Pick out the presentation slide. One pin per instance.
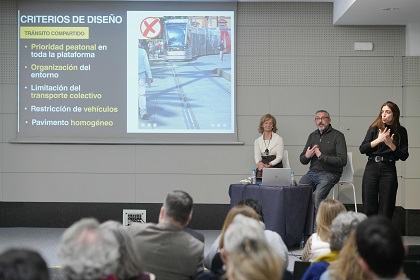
(126, 72)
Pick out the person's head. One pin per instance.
(380, 247)
(177, 208)
(347, 266)
(254, 259)
(254, 204)
(235, 210)
(389, 115)
(322, 120)
(268, 123)
(342, 226)
(18, 264)
(328, 210)
(247, 254)
(240, 228)
(88, 251)
(129, 264)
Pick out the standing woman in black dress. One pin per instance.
(386, 142)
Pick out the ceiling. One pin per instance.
(369, 12)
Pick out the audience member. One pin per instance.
(273, 238)
(340, 229)
(22, 264)
(247, 254)
(212, 259)
(166, 250)
(318, 243)
(88, 252)
(129, 264)
(346, 266)
(380, 248)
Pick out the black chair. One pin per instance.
(299, 269)
(412, 269)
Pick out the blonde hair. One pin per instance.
(265, 118)
(238, 209)
(347, 267)
(328, 210)
(254, 260)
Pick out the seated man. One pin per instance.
(326, 150)
(165, 248)
(380, 248)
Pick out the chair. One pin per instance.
(299, 269)
(347, 178)
(412, 269)
(285, 159)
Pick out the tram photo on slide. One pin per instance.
(186, 82)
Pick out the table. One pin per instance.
(287, 210)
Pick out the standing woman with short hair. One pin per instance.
(268, 148)
(386, 141)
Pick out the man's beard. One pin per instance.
(321, 130)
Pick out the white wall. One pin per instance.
(291, 61)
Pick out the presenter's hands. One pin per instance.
(386, 137)
(388, 141)
(317, 152)
(383, 134)
(260, 165)
(310, 152)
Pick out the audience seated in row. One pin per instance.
(340, 229)
(360, 248)
(318, 243)
(373, 251)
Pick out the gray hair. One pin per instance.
(322, 111)
(129, 264)
(87, 251)
(342, 226)
(242, 227)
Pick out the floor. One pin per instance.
(45, 241)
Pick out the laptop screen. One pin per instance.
(279, 177)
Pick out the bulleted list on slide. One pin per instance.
(71, 74)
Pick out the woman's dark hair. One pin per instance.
(395, 125)
(254, 204)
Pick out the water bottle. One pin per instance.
(292, 178)
(302, 242)
(254, 175)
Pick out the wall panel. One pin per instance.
(68, 187)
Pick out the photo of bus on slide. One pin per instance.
(191, 59)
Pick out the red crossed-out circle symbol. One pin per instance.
(150, 27)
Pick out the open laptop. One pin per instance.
(278, 177)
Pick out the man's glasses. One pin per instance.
(321, 118)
